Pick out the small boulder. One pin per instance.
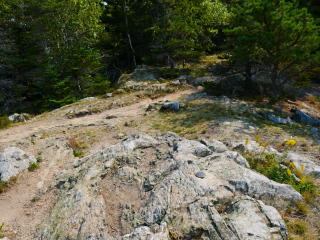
(214, 145)
(200, 175)
(175, 83)
(19, 117)
(304, 116)
(108, 95)
(82, 112)
(171, 106)
(280, 120)
(120, 91)
(110, 127)
(131, 123)
(315, 130)
(121, 135)
(183, 79)
(13, 161)
(111, 116)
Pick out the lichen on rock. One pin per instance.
(222, 204)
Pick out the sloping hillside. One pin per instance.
(161, 160)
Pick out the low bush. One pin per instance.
(4, 122)
(72, 143)
(168, 73)
(279, 170)
(1, 236)
(79, 154)
(4, 186)
(36, 199)
(33, 166)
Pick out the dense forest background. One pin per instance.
(54, 52)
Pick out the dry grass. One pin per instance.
(5, 186)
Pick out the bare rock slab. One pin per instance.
(13, 161)
(220, 203)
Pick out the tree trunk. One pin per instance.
(128, 35)
(274, 76)
(171, 62)
(248, 82)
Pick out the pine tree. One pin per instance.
(56, 53)
(184, 29)
(278, 34)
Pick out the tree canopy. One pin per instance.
(55, 52)
(278, 35)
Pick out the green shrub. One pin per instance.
(168, 73)
(299, 227)
(78, 153)
(4, 122)
(39, 159)
(33, 166)
(1, 236)
(269, 165)
(36, 199)
(3, 186)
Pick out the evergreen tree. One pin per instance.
(184, 29)
(127, 24)
(55, 48)
(276, 33)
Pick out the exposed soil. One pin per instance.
(20, 215)
(119, 195)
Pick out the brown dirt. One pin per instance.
(57, 123)
(20, 215)
(118, 195)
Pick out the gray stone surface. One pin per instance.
(13, 161)
(111, 127)
(215, 145)
(19, 117)
(305, 116)
(175, 197)
(200, 175)
(146, 233)
(310, 168)
(171, 106)
(247, 218)
(315, 130)
(280, 120)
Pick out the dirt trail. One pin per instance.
(17, 210)
(137, 109)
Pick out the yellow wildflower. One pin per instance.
(303, 180)
(292, 164)
(257, 138)
(266, 144)
(247, 142)
(260, 144)
(291, 142)
(302, 167)
(280, 145)
(289, 172)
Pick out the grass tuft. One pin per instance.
(33, 166)
(4, 186)
(35, 199)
